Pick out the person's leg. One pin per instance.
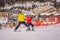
(24, 23)
(17, 26)
(32, 26)
(27, 25)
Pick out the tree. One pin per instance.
(55, 3)
(2, 3)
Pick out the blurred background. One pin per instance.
(44, 12)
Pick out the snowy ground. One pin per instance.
(41, 33)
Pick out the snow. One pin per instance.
(51, 32)
(45, 14)
(58, 0)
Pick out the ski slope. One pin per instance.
(51, 32)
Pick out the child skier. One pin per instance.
(29, 22)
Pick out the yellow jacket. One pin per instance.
(21, 17)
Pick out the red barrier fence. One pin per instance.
(48, 21)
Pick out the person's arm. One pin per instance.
(24, 17)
